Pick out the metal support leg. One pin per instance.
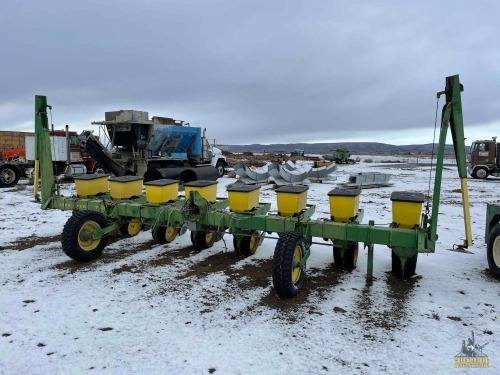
(369, 271)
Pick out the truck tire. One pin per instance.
(480, 173)
(98, 168)
(220, 168)
(9, 175)
(493, 250)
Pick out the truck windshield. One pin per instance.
(479, 147)
(483, 146)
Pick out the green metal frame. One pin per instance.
(43, 155)
(198, 214)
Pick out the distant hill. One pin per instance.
(354, 147)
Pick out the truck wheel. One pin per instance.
(493, 250)
(9, 175)
(409, 269)
(288, 279)
(99, 169)
(480, 172)
(220, 168)
(76, 236)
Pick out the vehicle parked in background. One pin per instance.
(483, 160)
(67, 156)
(340, 156)
(155, 148)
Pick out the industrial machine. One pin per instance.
(484, 158)
(158, 148)
(99, 212)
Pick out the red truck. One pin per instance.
(18, 162)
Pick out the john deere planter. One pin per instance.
(99, 211)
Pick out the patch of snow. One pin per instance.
(142, 308)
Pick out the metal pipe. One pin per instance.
(183, 174)
(68, 150)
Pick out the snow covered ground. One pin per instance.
(142, 308)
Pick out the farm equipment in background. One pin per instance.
(67, 157)
(341, 156)
(484, 159)
(14, 154)
(12, 144)
(158, 148)
(297, 152)
(98, 213)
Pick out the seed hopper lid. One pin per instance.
(243, 188)
(407, 196)
(161, 182)
(93, 176)
(200, 183)
(345, 192)
(125, 178)
(293, 189)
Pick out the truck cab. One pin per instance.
(482, 160)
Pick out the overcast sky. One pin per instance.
(256, 71)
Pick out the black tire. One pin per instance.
(9, 175)
(250, 243)
(235, 245)
(163, 235)
(350, 257)
(220, 168)
(99, 169)
(131, 229)
(493, 250)
(480, 173)
(288, 281)
(409, 269)
(74, 245)
(202, 239)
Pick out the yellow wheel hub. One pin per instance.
(210, 238)
(85, 240)
(134, 227)
(170, 234)
(496, 251)
(254, 242)
(356, 254)
(297, 257)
